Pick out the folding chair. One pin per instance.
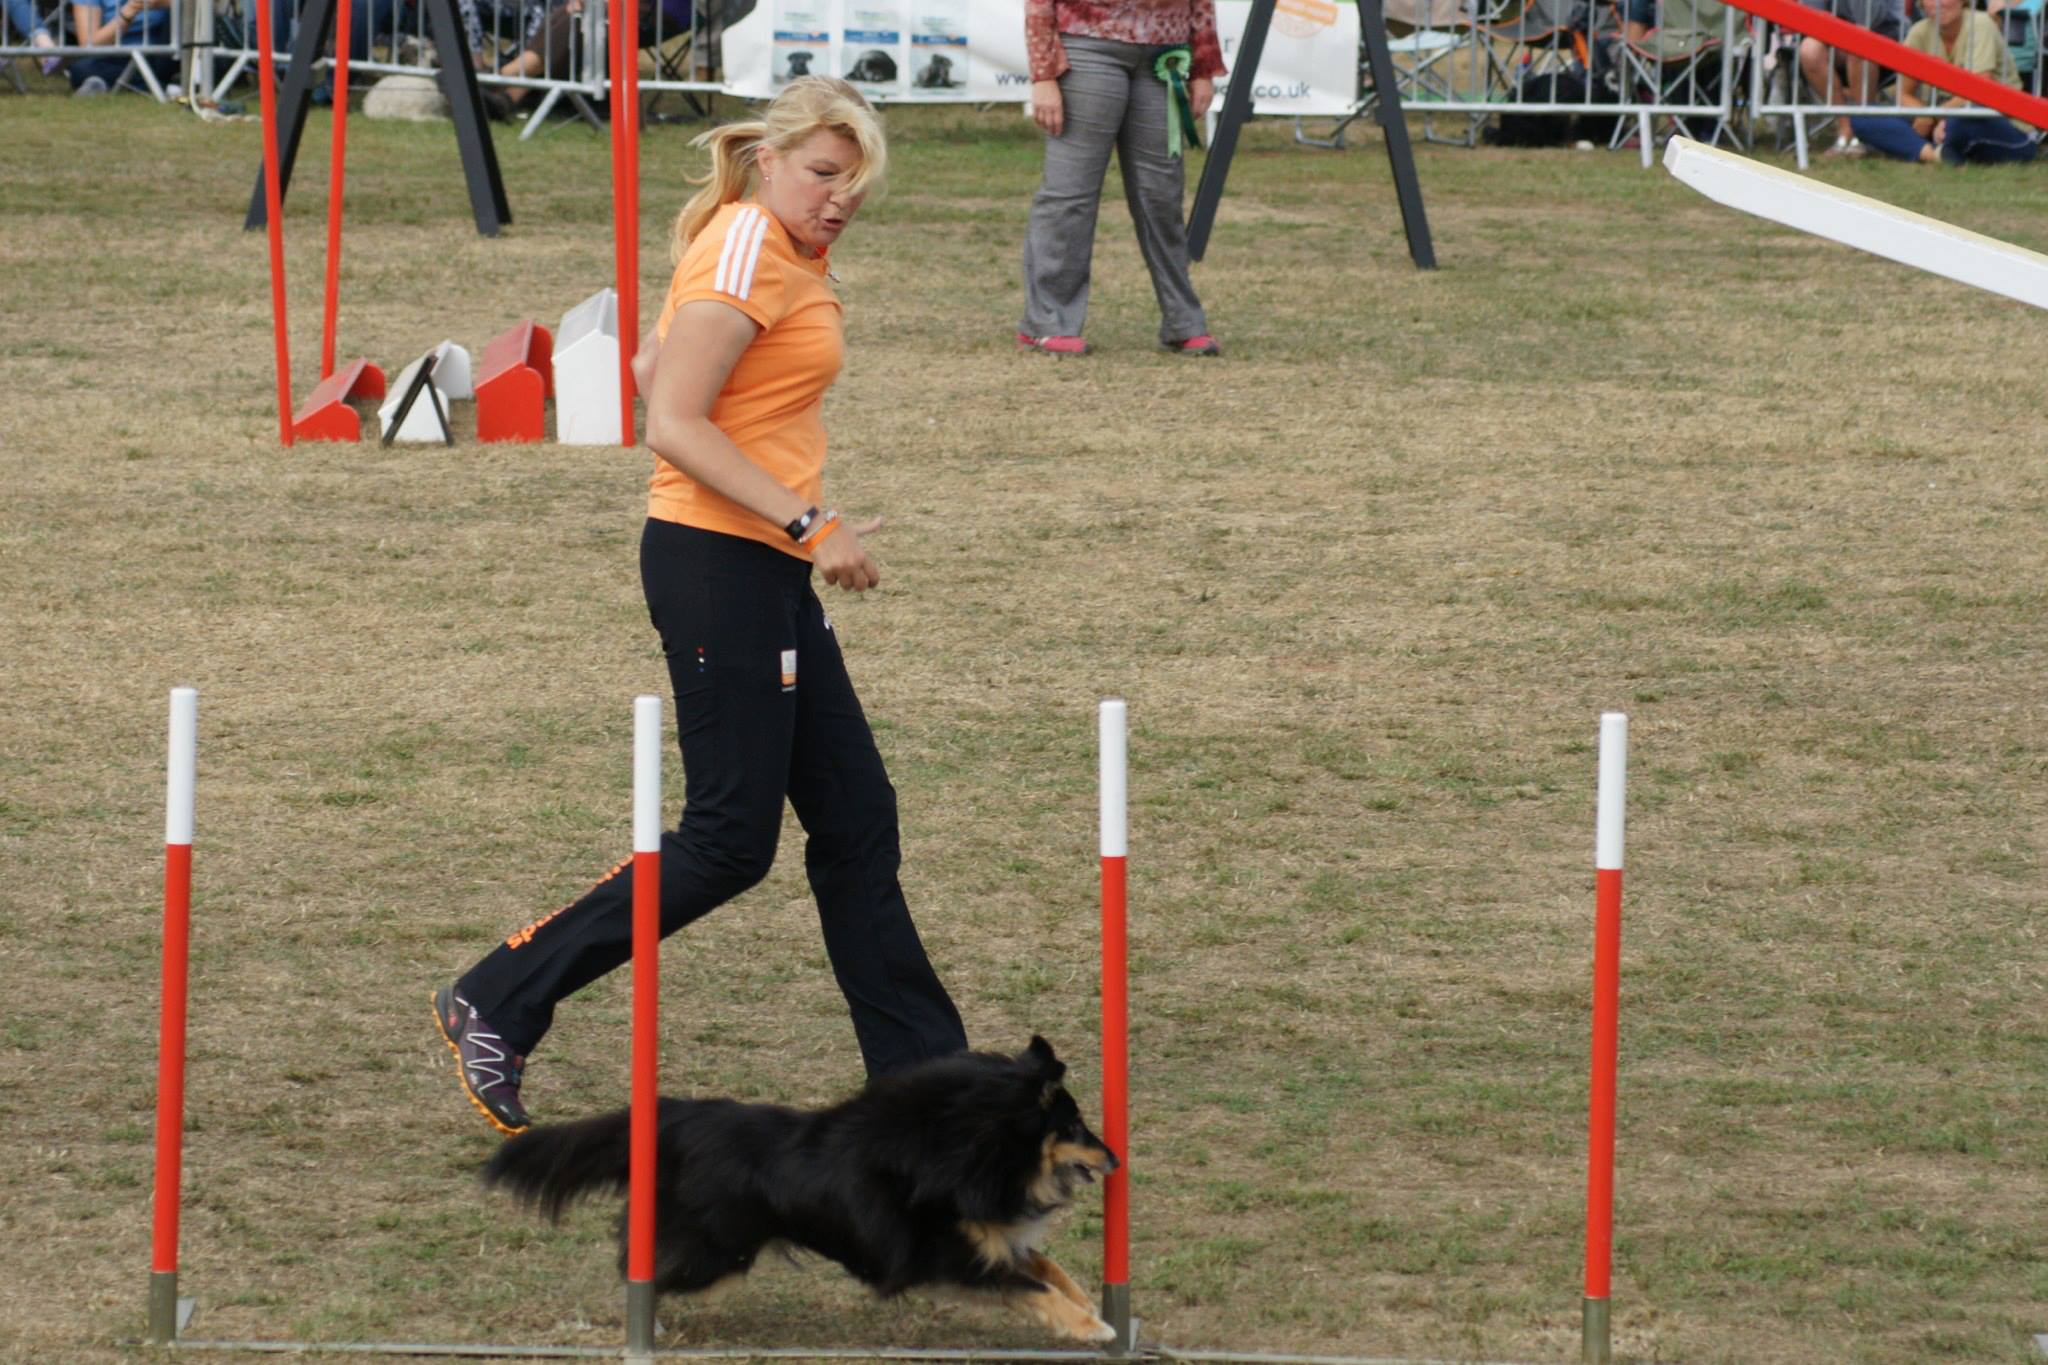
(2023, 31)
(1440, 57)
(1542, 30)
(672, 58)
(1680, 61)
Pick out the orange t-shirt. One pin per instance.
(772, 403)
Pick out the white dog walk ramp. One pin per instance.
(1856, 220)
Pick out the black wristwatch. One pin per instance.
(801, 527)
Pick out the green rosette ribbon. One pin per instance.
(1172, 66)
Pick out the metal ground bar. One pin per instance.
(394, 1348)
(1145, 1352)
(1167, 1353)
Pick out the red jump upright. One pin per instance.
(514, 382)
(326, 414)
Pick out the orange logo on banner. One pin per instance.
(1303, 18)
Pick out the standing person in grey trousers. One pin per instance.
(1095, 86)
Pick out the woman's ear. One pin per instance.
(766, 159)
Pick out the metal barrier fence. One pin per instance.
(1618, 66)
(142, 51)
(1617, 69)
(1783, 99)
(531, 54)
(1621, 68)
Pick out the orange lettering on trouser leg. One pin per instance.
(525, 936)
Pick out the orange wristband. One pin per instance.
(827, 529)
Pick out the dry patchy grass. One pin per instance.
(1366, 583)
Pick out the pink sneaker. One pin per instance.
(1053, 345)
(1201, 345)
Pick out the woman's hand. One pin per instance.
(1048, 107)
(843, 561)
(1201, 92)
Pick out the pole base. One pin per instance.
(168, 1313)
(1116, 1311)
(639, 1322)
(1596, 1343)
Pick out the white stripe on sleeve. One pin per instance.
(734, 232)
(753, 256)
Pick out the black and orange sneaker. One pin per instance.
(490, 1071)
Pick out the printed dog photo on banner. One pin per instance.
(938, 45)
(803, 36)
(871, 48)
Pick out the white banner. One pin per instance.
(972, 51)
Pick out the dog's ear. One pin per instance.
(1050, 1068)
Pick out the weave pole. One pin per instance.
(1595, 1331)
(273, 221)
(170, 1048)
(1116, 1058)
(338, 156)
(629, 295)
(646, 1020)
(625, 100)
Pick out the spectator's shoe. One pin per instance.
(1846, 146)
(90, 86)
(40, 39)
(497, 105)
(1201, 345)
(489, 1070)
(1053, 345)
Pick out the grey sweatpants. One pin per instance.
(1112, 100)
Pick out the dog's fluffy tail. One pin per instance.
(552, 1167)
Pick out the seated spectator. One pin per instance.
(1838, 77)
(119, 23)
(556, 50)
(1638, 19)
(23, 23)
(1955, 33)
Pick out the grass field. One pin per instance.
(1367, 583)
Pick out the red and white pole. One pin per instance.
(273, 221)
(170, 1051)
(1596, 1327)
(646, 1020)
(629, 284)
(337, 158)
(625, 101)
(1116, 1056)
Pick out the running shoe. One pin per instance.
(1201, 345)
(490, 1071)
(1053, 345)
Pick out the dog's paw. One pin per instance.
(1096, 1330)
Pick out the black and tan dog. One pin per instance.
(942, 1174)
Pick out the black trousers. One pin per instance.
(764, 711)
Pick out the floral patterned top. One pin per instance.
(1158, 23)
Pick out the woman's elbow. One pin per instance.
(669, 437)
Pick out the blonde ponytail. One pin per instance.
(732, 165)
(806, 105)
